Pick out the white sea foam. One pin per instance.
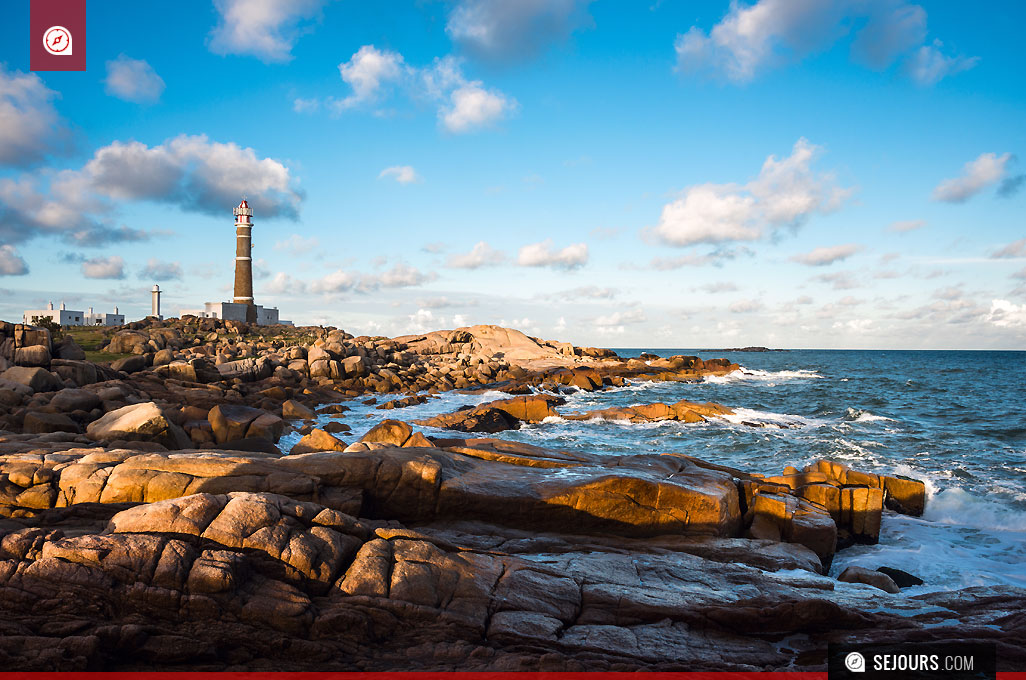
(753, 374)
(741, 416)
(860, 416)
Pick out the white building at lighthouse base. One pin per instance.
(235, 311)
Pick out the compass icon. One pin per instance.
(57, 41)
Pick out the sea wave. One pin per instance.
(857, 415)
(753, 374)
(745, 416)
(959, 507)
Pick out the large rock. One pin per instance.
(686, 411)
(35, 378)
(79, 372)
(33, 355)
(876, 579)
(139, 422)
(248, 370)
(395, 433)
(38, 422)
(69, 349)
(293, 410)
(132, 364)
(75, 400)
(495, 416)
(232, 422)
(318, 440)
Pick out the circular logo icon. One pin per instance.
(57, 41)
(855, 662)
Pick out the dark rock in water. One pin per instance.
(333, 428)
(876, 579)
(903, 579)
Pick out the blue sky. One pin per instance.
(668, 174)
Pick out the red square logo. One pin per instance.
(58, 40)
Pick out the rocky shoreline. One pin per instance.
(149, 520)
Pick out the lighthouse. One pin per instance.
(244, 258)
(242, 307)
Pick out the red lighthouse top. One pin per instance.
(243, 213)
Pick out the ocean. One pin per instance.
(954, 419)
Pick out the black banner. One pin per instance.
(913, 661)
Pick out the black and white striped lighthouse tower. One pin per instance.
(244, 258)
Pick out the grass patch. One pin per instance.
(91, 339)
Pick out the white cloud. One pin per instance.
(749, 37)
(462, 105)
(928, 65)
(472, 107)
(977, 175)
(906, 225)
(481, 255)
(785, 193)
(585, 292)
(745, 306)
(104, 268)
(542, 254)
(266, 29)
(366, 72)
(403, 174)
(839, 280)
(161, 271)
(133, 80)
(401, 275)
(11, 263)
(1005, 314)
(719, 287)
(300, 105)
(753, 38)
(622, 317)
(1013, 249)
(30, 127)
(502, 29)
(819, 257)
(298, 245)
(191, 172)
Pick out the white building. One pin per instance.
(72, 317)
(104, 319)
(236, 311)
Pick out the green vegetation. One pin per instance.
(91, 339)
(49, 324)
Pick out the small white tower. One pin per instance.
(156, 301)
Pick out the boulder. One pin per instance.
(293, 410)
(318, 440)
(496, 416)
(132, 364)
(902, 579)
(33, 355)
(248, 370)
(128, 342)
(232, 421)
(395, 433)
(69, 400)
(35, 378)
(139, 422)
(163, 357)
(876, 579)
(78, 372)
(38, 422)
(69, 349)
